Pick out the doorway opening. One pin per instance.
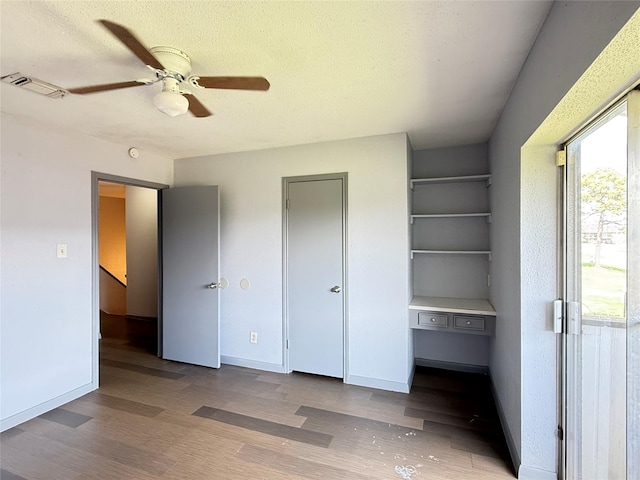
(128, 259)
(126, 279)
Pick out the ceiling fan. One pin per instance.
(172, 67)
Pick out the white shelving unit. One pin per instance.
(445, 230)
(486, 177)
(487, 215)
(453, 252)
(471, 306)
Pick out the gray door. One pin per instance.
(315, 230)
(190, 272)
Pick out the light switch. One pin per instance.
(61, 250)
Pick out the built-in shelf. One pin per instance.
(470, 306)
(452, 252)
(465, 178)
(487, 215)
(451, 257)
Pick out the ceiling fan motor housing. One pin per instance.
(176, 63)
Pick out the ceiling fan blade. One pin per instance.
(197, 108)
(105, 87)
(235, 83)
(132, 43)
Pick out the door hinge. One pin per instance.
(560, 433)
(287, 342)
(561, 158)
(558, 316)
(287, 204)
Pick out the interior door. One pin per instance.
(603, 298)
(190, 273)
(315, 258)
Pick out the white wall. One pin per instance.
(251, 247)
(523, 363)
(142, 251)
(47, 339)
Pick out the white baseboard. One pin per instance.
(378, 383)
(530, 473)
(255, 364)
(21, 417)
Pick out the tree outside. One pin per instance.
(604, 206)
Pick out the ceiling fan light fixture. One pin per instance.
(171, 103)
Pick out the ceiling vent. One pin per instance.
(34, 85)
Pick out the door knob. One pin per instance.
(336, 289)
(213, 285)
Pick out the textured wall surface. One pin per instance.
(523, 202)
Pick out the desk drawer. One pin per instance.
(433, 319)
(468, 323)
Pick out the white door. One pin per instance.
(314, 275)
(602, 343)
(190, 273)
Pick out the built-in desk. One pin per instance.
(456, 315)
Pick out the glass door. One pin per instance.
(601, 341)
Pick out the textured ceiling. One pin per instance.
(441, 71)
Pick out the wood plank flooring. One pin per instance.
(154, 419)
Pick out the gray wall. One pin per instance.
(522, 359)
(142, 251)
(457, 276)
(379, 351)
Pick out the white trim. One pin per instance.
(378, 383)
(255, 364)
(530, 473)
(44, 407)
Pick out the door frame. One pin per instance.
(97, 177)
(629, 95)
(286, 181)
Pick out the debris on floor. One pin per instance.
(405, 471)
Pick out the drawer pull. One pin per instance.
(468, 323)
(433, 320)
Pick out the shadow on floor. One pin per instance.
(135, 331)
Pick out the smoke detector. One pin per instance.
(34, 85)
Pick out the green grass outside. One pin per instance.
(603, 291)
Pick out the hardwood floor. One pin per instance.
(155, 419)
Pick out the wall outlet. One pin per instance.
(253, 337)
